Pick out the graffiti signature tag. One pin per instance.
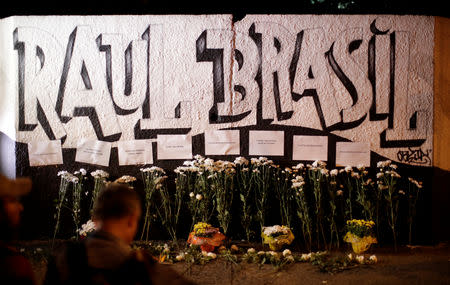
(414, 155)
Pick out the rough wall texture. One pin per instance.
(364, 78)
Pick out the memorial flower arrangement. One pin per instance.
(277, 236)
(302, 209)
(169, 210)
(76, 196)
(126, 179)
(245, 185)
(61, 201)
(100, 177)
(206, 236)
(360, 235)
(152, 178)
(228, 193)
(262, 171)
(222, 183)
(317, 174)
(388, 180)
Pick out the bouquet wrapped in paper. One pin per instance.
(360, 235)
(277, 236)
(206, 236)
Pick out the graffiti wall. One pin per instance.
(285, 80)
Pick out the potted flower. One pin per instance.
(360, 235)
(206, 236)
(277, 236)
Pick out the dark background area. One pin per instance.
(237, 8)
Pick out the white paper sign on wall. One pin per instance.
(45, 153)
(93, 152)
(352, 154)
(135, 152)
(266, 143)
(222, 142)
(310, 148)
(174, 147)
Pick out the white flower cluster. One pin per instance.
(125, 179)
(319, 164)
(88, 227)
(241, 161)
(363, 260)
(298, 182)
(100, 174)
(261, 161)
(268, 231)
(200, 165)
(68, 176)
(82, 171)
(153, 169)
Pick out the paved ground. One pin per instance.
(417, 265)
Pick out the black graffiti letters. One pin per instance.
(259, 74)
(417, 156)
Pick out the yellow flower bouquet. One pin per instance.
(360, 235)
(277, 236)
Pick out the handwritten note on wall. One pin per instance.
(174, 146)
(310, 148)
(266, 143)
(45, 153)
(93, 152)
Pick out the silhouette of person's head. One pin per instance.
(117, 211)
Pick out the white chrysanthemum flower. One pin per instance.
(99, 174)
(86, 228)
(261, 252)
(380, 174)
(241, 160)
(360, 258)
(191, 194)
(251, 250)
(334, 172)
(212, 255)
(373, 258)
(348, 169)
(82, 171)
(198, 197)
(299, 166)
(180, 257)
(350, 256)
(305, 257)
(286, 252)
(125, 179)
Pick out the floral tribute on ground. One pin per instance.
(223, 201)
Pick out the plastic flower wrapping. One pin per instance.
(360, 235)
(206, 236)
(277, 236)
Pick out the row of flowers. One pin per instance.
(312, 200)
